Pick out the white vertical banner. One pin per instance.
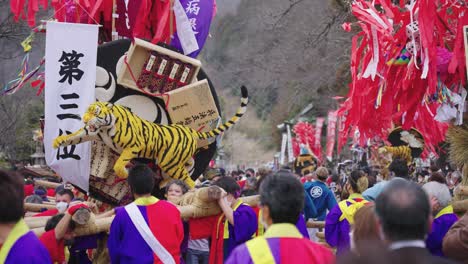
(283, 149)
(70, 76)
(290, 148)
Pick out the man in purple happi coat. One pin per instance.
(442, 211)
(17, 243)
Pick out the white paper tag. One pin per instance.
(162, 67)
(149, 66)
(185, 74)
(174, 70)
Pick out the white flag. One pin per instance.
(70, 75)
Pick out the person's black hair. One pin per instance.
(251, 170)
(35, 199)
(284, 194)
(399, 167)
(11, 197)
(354, 179)
(54, 220)
(403, 209)
(59, 188)
(66, 192)
(229, 185)
(141, 179)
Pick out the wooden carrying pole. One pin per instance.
(35, 222)
(315, 224)
(32, 207)
(100, 225)
(46, 184)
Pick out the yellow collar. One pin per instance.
(18, 231)
(282, 230)
(237, 204)
(355, 195)
(146, 200)
(446, 210)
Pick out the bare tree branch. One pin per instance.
(286, 12)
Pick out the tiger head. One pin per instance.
(98, 115)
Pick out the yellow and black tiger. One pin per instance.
(133, 137)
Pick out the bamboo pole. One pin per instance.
(46, 184)
(37, 207)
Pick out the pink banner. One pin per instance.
(331, 133)
(318, 136)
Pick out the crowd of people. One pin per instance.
(368, 217)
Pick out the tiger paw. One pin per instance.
(59, 141)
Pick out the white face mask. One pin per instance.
(61, 206)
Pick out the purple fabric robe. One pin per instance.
(440, 227)
(28, 250)
(336, 231)
(302, 226)
(245, 220)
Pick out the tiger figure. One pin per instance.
(171, 146)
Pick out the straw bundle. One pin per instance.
(457, 136)
(82, 216)
(460, 207)
(101, 254)
(461, 190)
(204, 202)
(95, 226)
(201, 202)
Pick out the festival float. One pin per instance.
(118, 74)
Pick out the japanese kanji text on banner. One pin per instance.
(70, 75)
